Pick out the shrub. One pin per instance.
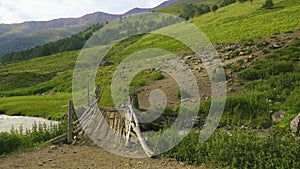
(157, 76)
(268, 4)
(249, 74)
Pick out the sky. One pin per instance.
(17, 11)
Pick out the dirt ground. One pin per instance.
(84, 157)
(169, 85)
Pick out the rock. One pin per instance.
(185, 100)
(294, 125)
(106, 63)
(277, 116)
(230, 89)
(229, 134)
(53, 148)
(45, 93)
(189, 57)
(243, 53)
(277, 46)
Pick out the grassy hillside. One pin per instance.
(75, 42)
(242, 21)
(245, 21)
(24, 41)
(177, 7)
(231, 23)
(262, 68)
(37, 75)
(49, 106)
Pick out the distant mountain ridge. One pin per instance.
(28, 34)
(144, 10)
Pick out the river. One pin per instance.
(7, 122)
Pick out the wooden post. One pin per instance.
(88, 90)
(70, 125)
(137, 131)
(129, 112)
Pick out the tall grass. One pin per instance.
(20, 140)
(239, 149)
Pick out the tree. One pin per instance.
(227, 2)
(214, 8)
(251, 1)
(188, 11)
(268, 4)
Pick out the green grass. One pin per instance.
(38, 75)
(238, 149)
(241, 21)
(49, 107)
(54, 73)
(245, 21)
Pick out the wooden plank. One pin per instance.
(88, 90)
(59, 139)
(98, 128)
(85, 121)
(70, 124)
(109, 109)
(129, 121)
(119, 132)
(137, 130)
(88, 110)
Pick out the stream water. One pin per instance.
(7, 122)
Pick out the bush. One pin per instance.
(293, 101)
(268, 4)
(249, 74)
(157, 76)
(275, 68)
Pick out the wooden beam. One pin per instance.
(70, 124)
(88, 92)
(59, 139)
(137, 130)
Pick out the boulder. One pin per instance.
(294, 125)
(277, 116)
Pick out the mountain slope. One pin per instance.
(54, 73)
(25, 35)
(245, 20)
(177, 6)
(28, 34)
(75, 42)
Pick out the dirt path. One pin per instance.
(84, 157)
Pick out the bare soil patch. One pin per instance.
(85, 157)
